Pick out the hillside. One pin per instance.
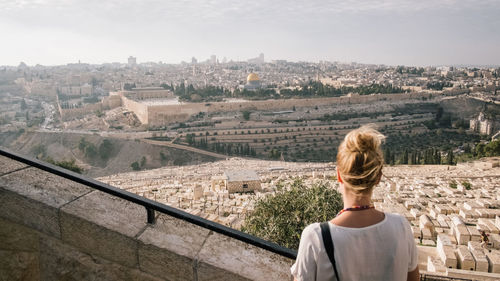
(468, 108)
(122, 153)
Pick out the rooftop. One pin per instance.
(241, 175)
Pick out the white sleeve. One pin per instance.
(412, 247)
(304, 268)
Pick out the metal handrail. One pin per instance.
(151, 205)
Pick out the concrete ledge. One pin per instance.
(163, 263)
(96, 240)
(16, 237)
(243, 259)
(18, 252)
(43, 187)
(9, 165)
(32, 197)
(109, 212)
(175, 235)
(101, 224)
(208, 272)
(60, 261)
(28, 212)
(170, 248)
(19, 265)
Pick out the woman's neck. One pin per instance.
(351, 199)
(364, 218)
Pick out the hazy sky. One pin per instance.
(409, 32)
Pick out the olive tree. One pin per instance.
(281, 217)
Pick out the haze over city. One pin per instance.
(381, 32)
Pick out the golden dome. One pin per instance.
(253, 77)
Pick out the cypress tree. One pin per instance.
(405, 157)
(449, 158)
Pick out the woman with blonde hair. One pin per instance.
(360, 243)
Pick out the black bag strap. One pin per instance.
(327, 241)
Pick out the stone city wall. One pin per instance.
(106, 104)
(52, 228)
(164, 114)
(112, 101)
(140, 110)
(159, 115)
(71, 113)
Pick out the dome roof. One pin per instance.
(253, 77)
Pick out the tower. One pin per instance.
(132, 61)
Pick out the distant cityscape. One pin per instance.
(266, 101)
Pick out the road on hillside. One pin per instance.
(185, 147)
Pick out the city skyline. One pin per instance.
(372, 32)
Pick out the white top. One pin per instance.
(382, 251)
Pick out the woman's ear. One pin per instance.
(339, 179)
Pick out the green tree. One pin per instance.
(163, 157)
(68, 165)
(135, 166)
(105, 149)
(439, 113)
(190, 139)
(274, 154)
(246, 115)
(449, 157)
(389, 158)
(405, 157)
(437, 157)
(129, 86)
(280, 218)
(82, 144)
(480, 150)
(24, 106)
(40, 151)
(453, 184)
(467, 185)
(492, 148)
(90, 150)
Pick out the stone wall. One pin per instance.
(159, 115)
(106, 103)
(72, 113)
(140, 110)
(112, 101)
(52, 228)
(237, 186)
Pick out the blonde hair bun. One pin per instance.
(364, 139)
(360, 159)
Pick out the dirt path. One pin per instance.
(184, 147)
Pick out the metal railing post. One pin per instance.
(151, 215)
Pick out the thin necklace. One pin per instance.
(356, 208)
